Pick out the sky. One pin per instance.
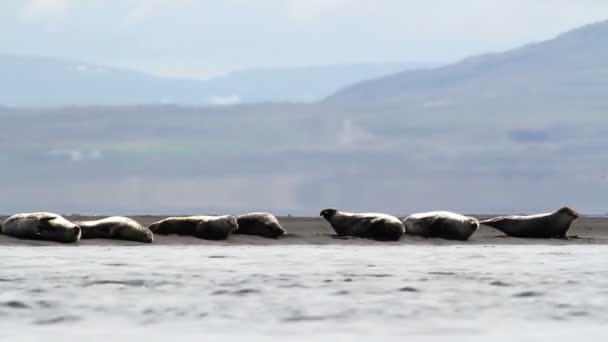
(203, 38)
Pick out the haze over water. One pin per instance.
(472, 293)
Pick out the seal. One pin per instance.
(41, 226)
(117, 228)
(176, 225)
(201, 226)
(540, 226)
(260, 224)
(215, 227)
(365, 225)
(441, 224)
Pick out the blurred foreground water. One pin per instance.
(242, 293)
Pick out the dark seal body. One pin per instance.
(215, 227)
(201, 226)
(365, 225)
(176, 225)
(541, 226)
(41, 226)
(116, 228)
(441, 224)
(260, 224)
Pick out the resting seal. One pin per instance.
(260, 224)
(116, 227)
(551, 225)
(41, 226)
(203, 227)
(441, 224)
(364, 225)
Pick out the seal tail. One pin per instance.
(154, 228)
(87, 230)
(493, 222)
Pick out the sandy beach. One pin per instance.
(315, 231)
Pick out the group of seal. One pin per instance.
(447, 225)
(220, 227)
(435, 224)
(53, 227)
(203, 227)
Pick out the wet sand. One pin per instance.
(309, 285)
(315, 231)
(304, 293)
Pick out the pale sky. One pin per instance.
(189, 38)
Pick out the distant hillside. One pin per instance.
(304, 84)
(37, 82)
(521, 131)
(573, 64)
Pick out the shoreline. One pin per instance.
(315, 231)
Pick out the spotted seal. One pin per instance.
(260, 224)
(365, 225)
(549, 225)
(441, 224)
(117, 228)
(41, 226)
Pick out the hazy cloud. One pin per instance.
(310, 11)
(224, 100)
(44, 10)
(76, 155)
(145, 9)
(235, 34)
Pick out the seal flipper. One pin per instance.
(384, 231)
(364, 227)
(496, 223)
(513, 227)
(442, 227)
(439, 229)
(163, 227)
(115, 231)
(43, 225)
(104, 231)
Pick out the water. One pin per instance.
(237, 293)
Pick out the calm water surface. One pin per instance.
(237, 293)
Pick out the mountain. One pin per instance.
(38, 82)
(303, 84)
(573, 64)
(517, 132)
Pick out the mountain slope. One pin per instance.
(303, 84)
(35, 81)
(574, 63)
(522, 131)
(38, 82)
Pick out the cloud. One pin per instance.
(224, 100)
(310, 11)
(145, 9)
(44, 10)
(154, 35)
(84, 68)
(76, 155)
